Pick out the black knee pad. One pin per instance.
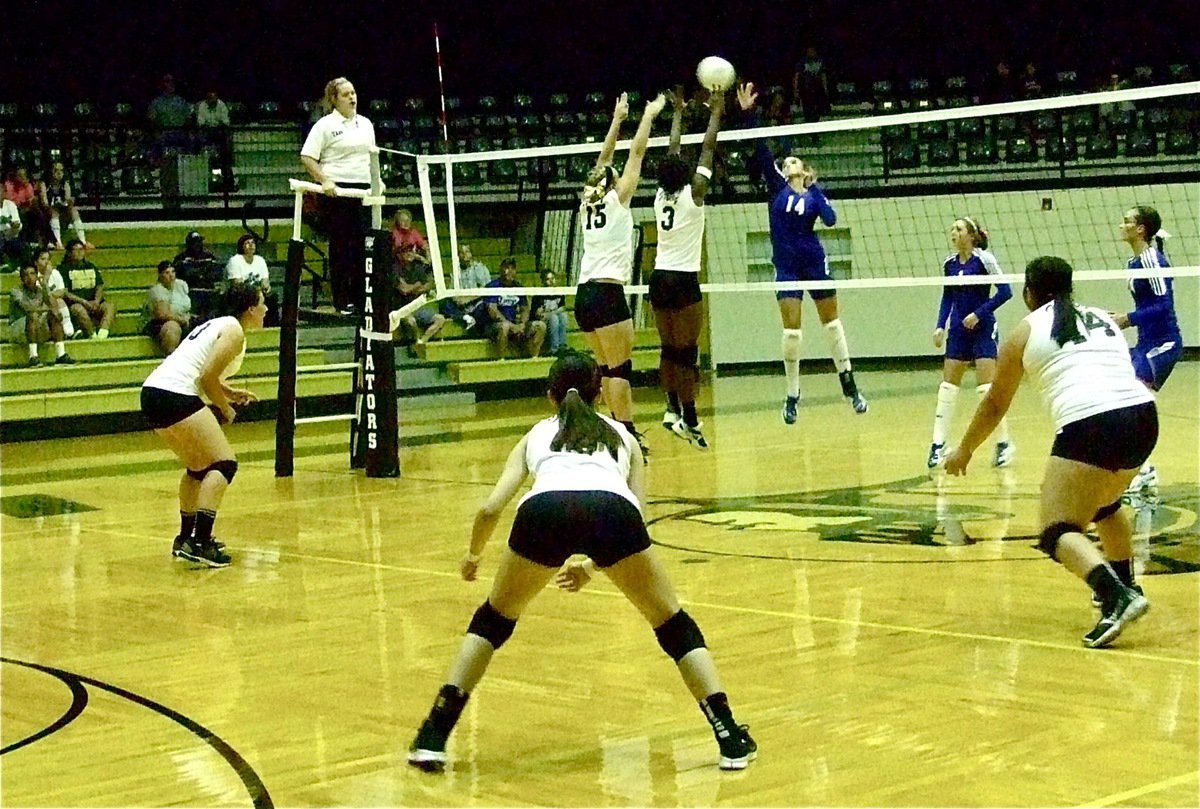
(605, 371)
(227, 468)
(197, 474)
(491, 625)
(679, 635)
(1104, 512)
(689, 357)
(671, 354)
(622, 371)
(1051, 534)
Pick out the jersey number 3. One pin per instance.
(594, 217)
(668, 221)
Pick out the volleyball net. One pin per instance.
(1044, 176)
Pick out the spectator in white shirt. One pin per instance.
(248, 267)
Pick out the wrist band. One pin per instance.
(704, 171)
(473, 558)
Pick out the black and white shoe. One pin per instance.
(206, 553)
(738, 749)
(428, 750)
(1128, 607)
(690, 434)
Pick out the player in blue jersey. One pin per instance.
(796, 203)
(1159, 343)
(967, 324)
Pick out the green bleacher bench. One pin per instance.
(466, 350)
(133, 278)
(14, 355)
(530, 368)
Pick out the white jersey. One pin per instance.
(680, 231)
(607, 240)
(557, 471)
(342, 147)
(180, 371)
(1081, 379)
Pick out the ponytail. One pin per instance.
(1048, 278)
(1066, 321)
(580, 429)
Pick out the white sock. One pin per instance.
(79, 229)
(102, 334)
(791, 360)
(947, 394)
(838, 349)
(1002, 436)
(32, 350)
(56, 229)
(59, 348)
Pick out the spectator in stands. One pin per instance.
(58, 201)
(32, 319)
(472, 273)
(336, 154)
(199, 268)
(407, 242)
(508, 315)
(169, 114)
(167, 313)
(52, 280)
(247, 266)
(212, 119)
(1001, 85)
(414, 280)
(91, 311)
(1031, 86)
(552, 310)
(13, 248)
(810, 85)
(23, 194)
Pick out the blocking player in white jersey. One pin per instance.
(586, 499)
(601, 308)
(1106, 426)
(675, 282)
(172, 406)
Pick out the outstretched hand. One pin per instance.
(746, 96)
(656, 106)
(956, 461)
(716, 102)
(621, 110)
(678, 99)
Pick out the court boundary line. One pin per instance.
(1137, 792)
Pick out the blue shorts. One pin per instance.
(1153, 364)
(813, 271)
(965, 344)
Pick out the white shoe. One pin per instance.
(1004, 454)
(690, 434)
(670, 417)
(468, 322)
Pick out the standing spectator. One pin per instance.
(33, 319)
(168, 309)
(24, 195)
(85, 292)
(247, 266)
(1031, 86)
(408, 244)
(58, 201)
(508, 315)
(413, 281)
(169, 114)
(197, 265)
(52, 280)
(12, 247)
(212, 119)
(810, 85)
(552, 310)
(337, 155)
(472, 274)
(1000, 85)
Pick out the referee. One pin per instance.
(337, 155)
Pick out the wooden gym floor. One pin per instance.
(892, 639)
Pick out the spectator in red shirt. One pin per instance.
(407, 242)
(19, 189)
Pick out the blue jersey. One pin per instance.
(507, 303)
(794, 214)
(960, 301)
(1153, 301)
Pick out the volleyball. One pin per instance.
(715, 73)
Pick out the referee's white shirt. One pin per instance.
(341, 145)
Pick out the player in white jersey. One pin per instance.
(586, 499)
(171, 404)
(600, 305)
(1106, 423)
(675, 282)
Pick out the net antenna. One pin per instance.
(439, 278)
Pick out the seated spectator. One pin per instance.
(407, 242)
(32, 319)
(85, 292)
(58, 201)
(248, 267)
(212, 113)
(414, 281)
(212, 119)
(1031, 86)
(21, 191)
(552, 310)
(168, 309)
(52, 280)
(471, 274)
(508, 315)
(199, 268)
(13, 248)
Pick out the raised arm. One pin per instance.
(620, 113)
(679, 103)
(627, 183)
(716, 107)
(759, 160)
